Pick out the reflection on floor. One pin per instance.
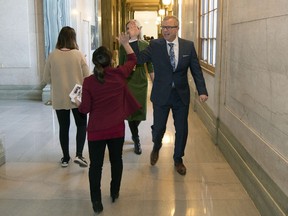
(32, 182)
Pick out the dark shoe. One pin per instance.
(180, 167)
(137, 145)
(97, 207)
(154, 157)
(137, 148)
(81, 161)
(65, 162)
(114, 197)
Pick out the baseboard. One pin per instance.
(2, 152)
(46, 94)
(207, 117)
(266, 195)
(20, 92)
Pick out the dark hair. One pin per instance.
(102, 58)
(67, 38)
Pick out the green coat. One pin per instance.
(137, 82)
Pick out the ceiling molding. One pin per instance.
(143, 5)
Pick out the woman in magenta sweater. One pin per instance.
(105, 96)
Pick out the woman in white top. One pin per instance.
(65, 67)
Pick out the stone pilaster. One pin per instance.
(107, 24)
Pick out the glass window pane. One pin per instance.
(204, 50)
(214, 53)
(211, 7)
(205, 6)
(209, 51)
(205, 26)
(215, 24)
(202, 7)
(208, 31)
(210, 25)
(202, 26)
(215, 4)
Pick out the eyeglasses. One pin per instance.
(168, 27)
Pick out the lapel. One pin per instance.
(180, 51)
(163, 49)
(164, 52)
(181, 48)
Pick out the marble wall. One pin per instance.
(23, 42)
(256, 76)
(247, 110)
(247, 94)
(18, 65)
(253, 101)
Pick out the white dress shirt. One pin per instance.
(176, 50)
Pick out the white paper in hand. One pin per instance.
(76, 92)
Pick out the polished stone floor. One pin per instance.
(32, 182)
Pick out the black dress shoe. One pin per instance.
(180, 167)
(114, 197)
(97, 207)
(154, 157)
(137, 148)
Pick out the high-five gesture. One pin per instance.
(124, 40)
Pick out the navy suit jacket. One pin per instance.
(164, 75)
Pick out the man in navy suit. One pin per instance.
(170, 89)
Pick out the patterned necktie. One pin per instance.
(172, 55)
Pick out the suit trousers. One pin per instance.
(96, 154)
(180, 115)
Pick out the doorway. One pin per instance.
(148, 21)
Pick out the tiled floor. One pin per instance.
(32, 182)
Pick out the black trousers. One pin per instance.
(63, 117)
(133, 125)
(96, 154)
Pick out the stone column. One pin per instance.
(106, 20)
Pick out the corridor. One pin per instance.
(33, 183)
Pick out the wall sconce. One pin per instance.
(166, 4)
(161, 12)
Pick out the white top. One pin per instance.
(64, 69)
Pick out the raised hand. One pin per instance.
(123, 38)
